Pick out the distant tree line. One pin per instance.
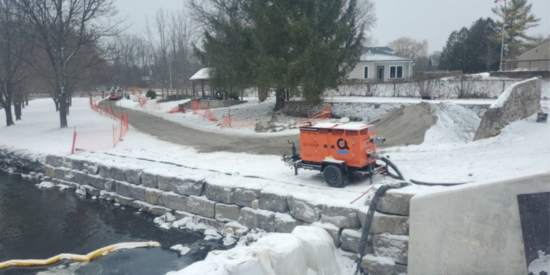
(472, 50)
(478, 48)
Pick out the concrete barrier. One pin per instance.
(519, 101)
(471, 229)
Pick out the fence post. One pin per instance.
(230, 117)
(114, 143)
(120, 136)
(74, 141)
(503, 86)
(462, 86)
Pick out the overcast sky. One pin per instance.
(433, 20)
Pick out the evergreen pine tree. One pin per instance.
(472, 50)
(287, 45)
(517, 18)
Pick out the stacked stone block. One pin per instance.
(239, 209)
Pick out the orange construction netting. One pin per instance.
(104, 138)
(232, 121)
(145, 104)
(203, 110)
(177, 110)
(323, 114)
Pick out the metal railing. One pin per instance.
(531, 65)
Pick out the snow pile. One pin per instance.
(540, 265)
(455, 124)
(211, 234)
(162, 107)
(308, 250)
(486, 160)
(46, 185)
(182, 250)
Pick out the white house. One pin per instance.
(383, 64)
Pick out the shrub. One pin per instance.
(151, 94)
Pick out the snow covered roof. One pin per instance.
(347, 126)
(381, 54)
(202, 74)
(325, 125)
(353, 126)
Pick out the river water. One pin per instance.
(38, 224)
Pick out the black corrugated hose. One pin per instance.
(374, 203)
(368, 221)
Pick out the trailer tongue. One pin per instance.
(337, 150)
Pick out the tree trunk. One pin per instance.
(9, 116)
(63, 108)
(17, 107)
(262, 94)
(279, 99)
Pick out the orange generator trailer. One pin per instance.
(337, 150)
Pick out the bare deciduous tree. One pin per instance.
(60, 28)
(409, 47)
(12, 64)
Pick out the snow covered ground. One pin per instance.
(447, 155)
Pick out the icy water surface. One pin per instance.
(38, 224)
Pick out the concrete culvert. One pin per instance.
(406, 126)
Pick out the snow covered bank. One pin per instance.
(307, 250)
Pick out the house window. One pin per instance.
(366, 72)
(396, 71)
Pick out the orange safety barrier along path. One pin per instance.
(323, 114)
(104, 138)
(232, 121)
(145, 104)
(81, 258)
(203, 110)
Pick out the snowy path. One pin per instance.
(207, 141)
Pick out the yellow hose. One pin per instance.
(81, 258)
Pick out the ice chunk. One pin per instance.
(182, 250)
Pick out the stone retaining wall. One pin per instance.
(241, 209)
(519, 101)
(15, 162)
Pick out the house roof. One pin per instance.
(202, 74)
(381, 54)
(535, 50)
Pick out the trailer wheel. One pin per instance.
(334, 176)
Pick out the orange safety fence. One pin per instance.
(177, 109)
(145, 104)
(104, 138)
(203, 110)
(323, 114)
(232, 121)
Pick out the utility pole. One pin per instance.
(503, 33)
(170, 74)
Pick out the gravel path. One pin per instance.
(206, 141)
